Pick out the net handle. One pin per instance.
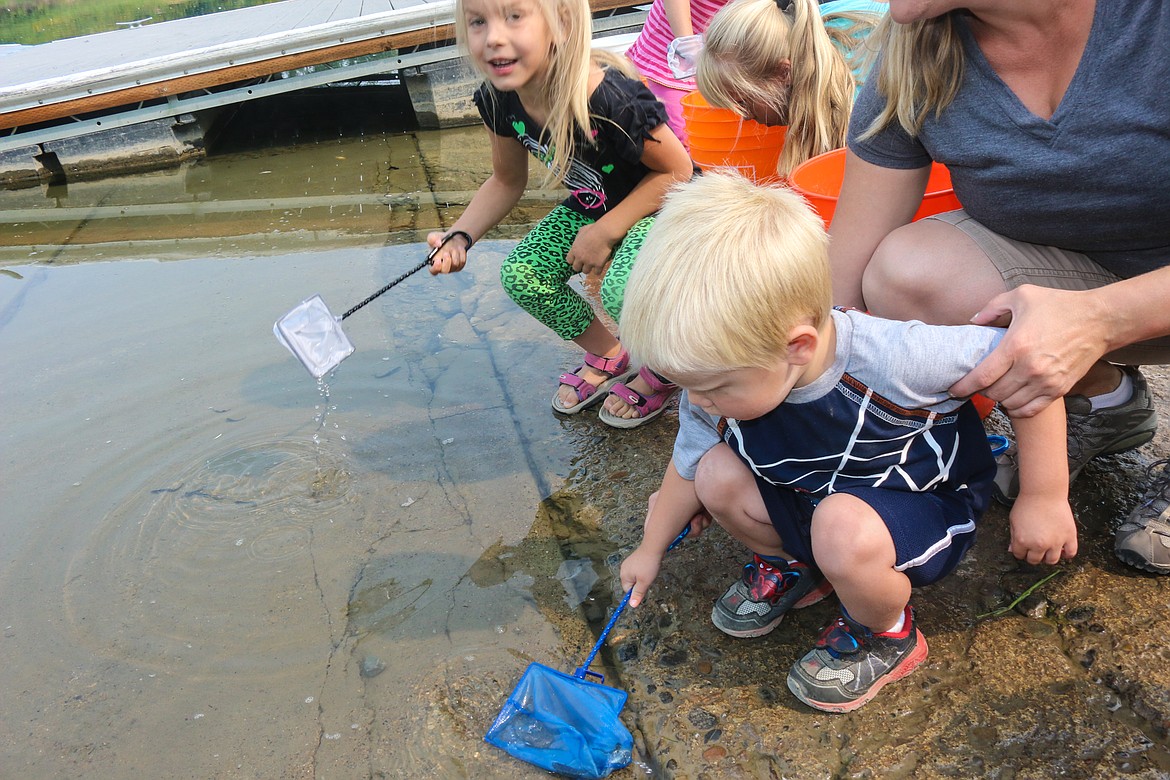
(430, 256)
(583, 669)
(417, 268)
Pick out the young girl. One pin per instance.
(779, 62)
(788, 62)
(666, 21)
(600, 132)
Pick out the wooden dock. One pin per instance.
(75, 86)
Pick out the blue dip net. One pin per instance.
(564, 724)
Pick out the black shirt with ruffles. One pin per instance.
(623, 114)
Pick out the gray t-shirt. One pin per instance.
(887, 385)
(1095, 178)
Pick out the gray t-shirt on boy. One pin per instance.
(880, 414)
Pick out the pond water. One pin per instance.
(215, 566)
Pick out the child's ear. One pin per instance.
(802, 344)
(783, 75)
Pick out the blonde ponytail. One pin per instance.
(821, 92)
(757, 53)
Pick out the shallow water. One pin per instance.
(214, 565)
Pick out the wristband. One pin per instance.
(464, 234)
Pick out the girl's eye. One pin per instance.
(476, 22)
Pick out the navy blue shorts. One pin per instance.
(931, 531)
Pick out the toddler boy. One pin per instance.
(824, 440)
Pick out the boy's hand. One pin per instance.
(698, 524)
(1043, 529)
(451, 258)
(639, 571)
(591, 250)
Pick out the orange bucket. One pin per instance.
(819, 181)
(759, 165)
(721, 127)
(720, 138)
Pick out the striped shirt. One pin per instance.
(648, 52)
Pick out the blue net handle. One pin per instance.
(583, 669)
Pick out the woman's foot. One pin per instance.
(590, 381)
(637, 401)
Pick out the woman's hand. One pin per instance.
(1054, 337)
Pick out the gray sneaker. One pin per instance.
(849, 663)
(757, 602)
(1104, 432)
(1143, 540)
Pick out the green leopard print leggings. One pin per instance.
(536, 276)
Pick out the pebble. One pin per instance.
(372, 666)
(701, 719)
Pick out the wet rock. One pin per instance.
(1033, 606)
(701, 719)
(714, 753)
(671, 658)
(372, 666)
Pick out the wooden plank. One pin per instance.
(222, 76)
(439, 34)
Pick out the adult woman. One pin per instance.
(1052, 118)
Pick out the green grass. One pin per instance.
(41, 21)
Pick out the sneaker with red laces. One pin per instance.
(850, 663)
(758, 600)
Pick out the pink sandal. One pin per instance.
(649, 406)
(587, 394)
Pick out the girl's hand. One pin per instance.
(639, 571)
(591, 249)
(1043, 529)
(451, 258)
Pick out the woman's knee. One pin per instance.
(898, 277)
(931, 271)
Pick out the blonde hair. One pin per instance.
(919, 72)
(570, 64)
(743, 62)
(725, 273)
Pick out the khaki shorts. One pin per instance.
(1022, 263)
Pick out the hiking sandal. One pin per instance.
(616, 368)
(648, 406)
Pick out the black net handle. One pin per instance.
(416, 269)
(430, 256)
